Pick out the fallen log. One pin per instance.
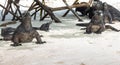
(72, 6)
(7, 23)
(65, 7)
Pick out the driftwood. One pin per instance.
(10, 12)
(63, 8)
(39, 6)
(42, 12)
(48, 10)
(72, 10)
(17, 10)
(37, 3)
(43, 17)
(7, 23)
(9, 8)
(69, 10)
(34, 7)
(72, 6)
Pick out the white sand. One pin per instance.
(66, 45)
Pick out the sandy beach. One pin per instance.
(66, 44)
